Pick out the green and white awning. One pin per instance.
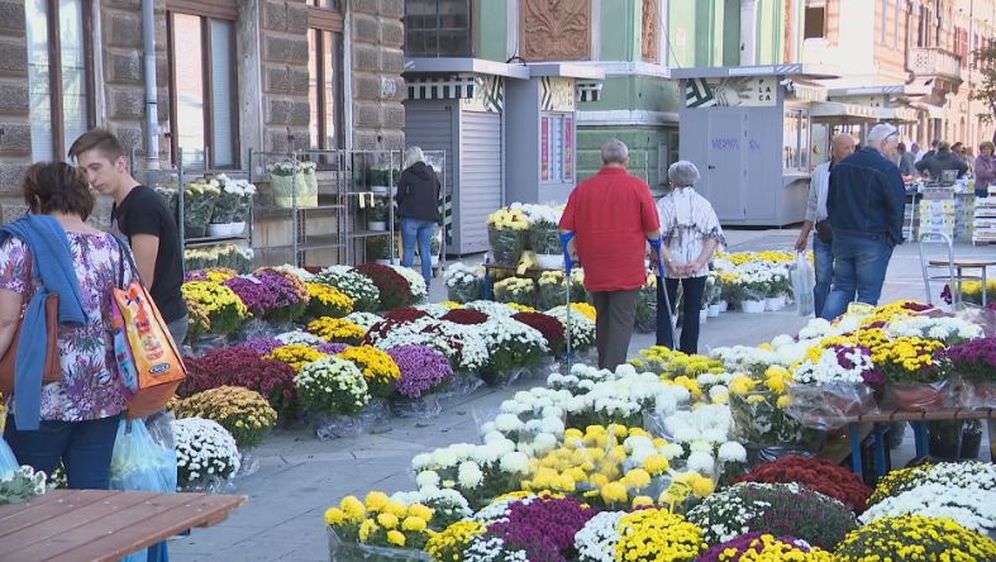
(449, 88)
(588, 91)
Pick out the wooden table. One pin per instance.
(917, 419)
(85, 525)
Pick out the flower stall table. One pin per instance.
(962, 264)
(919, 422)
(74, 525)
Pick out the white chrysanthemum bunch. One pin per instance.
(973, 508)
(204, 450)
(300, 337)
(949, 330)
(596, 541)
(420, 291)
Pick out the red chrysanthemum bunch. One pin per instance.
(818, 475)
(238, 366)
(551, 328)
(381, 329)
(395, 291)
(405, 314)
(465, 316)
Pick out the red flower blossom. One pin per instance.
(395, 292)
(465, 316)
(241, 366)
(405, 314)
(818, 475)
(551, 328)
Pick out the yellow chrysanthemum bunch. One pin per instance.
(520, 307)
(379, 369)
(223, 308)
(770, 256)
(895, 479)
(585, 309)
(450, 544)
(684, 485)
(296, 355)
(768, 548)
(452, 305)
(909, 359)
(650, 535)
(595, 465)
(326, 300)
(220, 274)
(243, 412)
(926, 538)
(670, 363)
(337, 330)
(510, 219)
(381, 521)
(514, 288)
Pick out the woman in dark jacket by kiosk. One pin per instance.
(418, 208)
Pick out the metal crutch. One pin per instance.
(658, 244)
(565, 242)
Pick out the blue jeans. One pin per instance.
(420, 231)
(823, 261)
(860, 263)
(693, 289)
(83, 447)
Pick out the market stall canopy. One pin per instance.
(910, 90)
(897, 114)
(463, 65)
(788, 70)
(832, 110)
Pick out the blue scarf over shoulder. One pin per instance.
(53, 265)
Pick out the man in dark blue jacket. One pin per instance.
(865, 204)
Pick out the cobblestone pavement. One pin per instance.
(299, 476)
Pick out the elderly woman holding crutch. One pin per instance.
(691, 233)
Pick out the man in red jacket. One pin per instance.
(612, 215)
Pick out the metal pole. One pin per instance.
(151, 101)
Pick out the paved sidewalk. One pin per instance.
(299, 476)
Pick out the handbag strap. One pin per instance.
(124, 254)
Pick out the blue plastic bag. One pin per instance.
(141, 464)
(8, 462)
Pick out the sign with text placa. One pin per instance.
(742, 91)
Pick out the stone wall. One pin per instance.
(15, 142)
(285, 75)
(377, 62)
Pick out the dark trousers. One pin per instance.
(83, 447)
(692, 289)
(615, 316)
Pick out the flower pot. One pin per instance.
(724, 306)
(377, 226)
(753, 307)
(917, 397)
(774, 304)
(714, 310)
(550, 261)
(703, 314)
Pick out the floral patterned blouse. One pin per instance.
(687, 220)
(90, 388)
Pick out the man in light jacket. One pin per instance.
(841, 147)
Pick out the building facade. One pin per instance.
(227, 77)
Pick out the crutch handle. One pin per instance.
(658, 244)
(565, 242)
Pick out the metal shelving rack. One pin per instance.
(331, 162)
(183, 176)
(362, 162)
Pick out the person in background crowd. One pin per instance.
(944, 159)
(140, 215)
(418, 208)
(841, 146)
(865, 204)
(612, 216)
(691, 233)
(930, 153)
(985, 169)
(915, 151)
(906, 161)
(75, 420)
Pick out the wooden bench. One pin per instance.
(917, 419)
(85, 525)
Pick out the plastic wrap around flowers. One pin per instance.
(423, 369)
(205, 451)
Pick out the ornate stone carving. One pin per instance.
(651, 30)
(556, 30)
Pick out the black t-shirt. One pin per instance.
(143, 212)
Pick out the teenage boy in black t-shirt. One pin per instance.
(140, 214)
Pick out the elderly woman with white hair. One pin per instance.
(418, 209)
(691, 233)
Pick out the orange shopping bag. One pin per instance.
(150, 365)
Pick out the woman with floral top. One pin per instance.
(691, 233)
(79, 414)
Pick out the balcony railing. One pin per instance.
(934, 61)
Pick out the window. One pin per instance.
(815, 26)
(325, 86)
(557, 147)
(796, 140)
(59, 86)
(325, 89)
(438, 28)
(203, 91)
